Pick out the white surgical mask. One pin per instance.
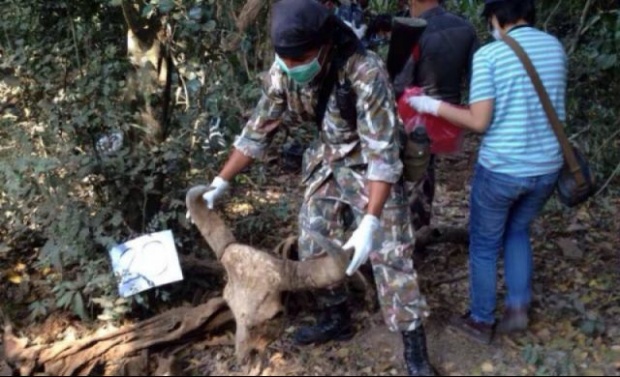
(496, 34)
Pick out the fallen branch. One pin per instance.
(108, 349)
(611, 178)
(451, 280)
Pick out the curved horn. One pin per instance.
(210, 225)
(322, 272)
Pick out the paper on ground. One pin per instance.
(146, 262)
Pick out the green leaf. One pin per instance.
(38, 309)
(588, 327)
(52, 252)
(211, 25)
(165, 6)
(78, 306)
(195, 13)
(65, 300)
(117, 219)
(147, 11)
(607, 61)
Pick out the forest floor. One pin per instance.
(575, 328)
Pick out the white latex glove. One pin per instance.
(360, 32)
(217, 188)
(361, 242)
(425, 104)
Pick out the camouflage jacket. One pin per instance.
(373, 146)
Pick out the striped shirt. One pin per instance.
(520, 141)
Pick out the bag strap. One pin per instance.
(556, 124)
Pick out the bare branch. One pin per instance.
(582, 23)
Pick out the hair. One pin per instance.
(511, 11)
(382, 22)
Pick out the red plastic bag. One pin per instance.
(445, 137)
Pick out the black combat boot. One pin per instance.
(334, 324)
(416, 354)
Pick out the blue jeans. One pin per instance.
(502, 210)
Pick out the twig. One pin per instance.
(452, 280)
(75, 44)
(611, 178)
(183, 84)
(582, 23)
(552, 14)
(577, 134)
(246, 65)
(4, 320)
(9, 46)
(608, 140)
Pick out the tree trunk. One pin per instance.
(151, 95)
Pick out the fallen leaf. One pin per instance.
(343, 353)
(570, 249)
(20, 267)
(488, 368)
(576, 227)
(544, 335)
(15, 278)
(11, 81)
(4, 248)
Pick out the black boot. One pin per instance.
(416, 354)
(334, 324)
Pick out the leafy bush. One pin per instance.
(67, 84)
(64, 192)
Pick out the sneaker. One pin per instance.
(478, 331)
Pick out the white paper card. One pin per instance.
(146, 262)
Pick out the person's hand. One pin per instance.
(361, 242)
(359, 32)
(217, 188)
(424, 104)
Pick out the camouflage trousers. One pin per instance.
(421, 195)
(338, 206)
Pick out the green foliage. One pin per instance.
(66, 64)
(592, 38)
(67, 82)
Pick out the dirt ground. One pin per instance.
(575, 328)
(569, 293)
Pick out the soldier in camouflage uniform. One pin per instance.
(352, 174)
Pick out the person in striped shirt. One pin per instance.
(518, 164)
